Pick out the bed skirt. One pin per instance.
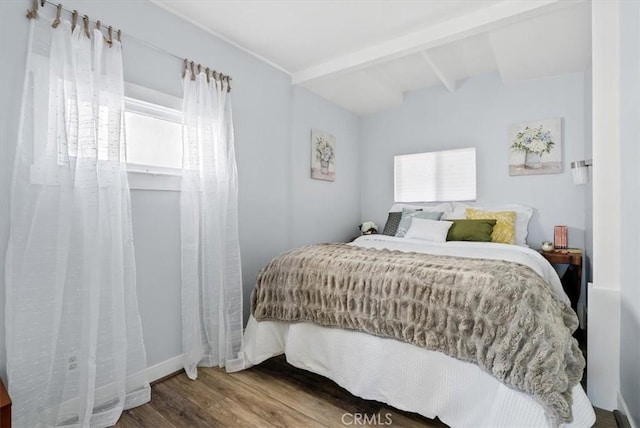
(404, 376)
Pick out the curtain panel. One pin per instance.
(75, 354)
(211, 270)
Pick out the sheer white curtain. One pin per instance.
(211, 279)
(75, 355)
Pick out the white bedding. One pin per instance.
(408, 377)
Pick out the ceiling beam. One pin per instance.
(483, 20)
(449, 83)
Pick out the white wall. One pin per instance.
(271, 146)
(614, 297)
(630, 204)
(603, 329)
(478, 114)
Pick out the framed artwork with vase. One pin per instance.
(323, 155)
(535, 147)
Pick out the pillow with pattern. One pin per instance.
(407, 215)
(391, 226)
(505, 229)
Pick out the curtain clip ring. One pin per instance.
(110, 33)
(85, 19)
(185, 64)
(33, 12)
(74, 20)
(56, 21)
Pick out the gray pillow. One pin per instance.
(407, 215)
(391, 226)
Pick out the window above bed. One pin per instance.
(448, 175)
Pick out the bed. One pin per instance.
(409, 377)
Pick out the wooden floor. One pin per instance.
(273, 394)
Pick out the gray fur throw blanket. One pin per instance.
(499, 315)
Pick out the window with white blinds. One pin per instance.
(448, 175)
(154, 136)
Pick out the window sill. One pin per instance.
(147, 180)
(167, 179)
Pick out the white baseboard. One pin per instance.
(622, 406)
(164, 368)
(69, 409)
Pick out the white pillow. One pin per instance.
(523, 216)
(428, 230)
(444, 207)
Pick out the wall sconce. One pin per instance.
(580, 171)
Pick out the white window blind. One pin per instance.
(153, 128)
(154, 136)
(448, 175)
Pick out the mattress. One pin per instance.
(408, 377)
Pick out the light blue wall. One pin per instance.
(324, 211)
(478, 114)
(630, 204)
(271, 145)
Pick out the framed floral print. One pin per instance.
(323, 155)
(535, 147)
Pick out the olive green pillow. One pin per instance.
(471, 230)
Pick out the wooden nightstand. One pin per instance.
(5, 407)
(572, 257)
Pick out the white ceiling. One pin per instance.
(365, 54)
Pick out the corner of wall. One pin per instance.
(624, 408)
(588, 150)
(164, 369)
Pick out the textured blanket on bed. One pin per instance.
(499, 315)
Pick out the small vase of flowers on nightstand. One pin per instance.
(368, 228)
